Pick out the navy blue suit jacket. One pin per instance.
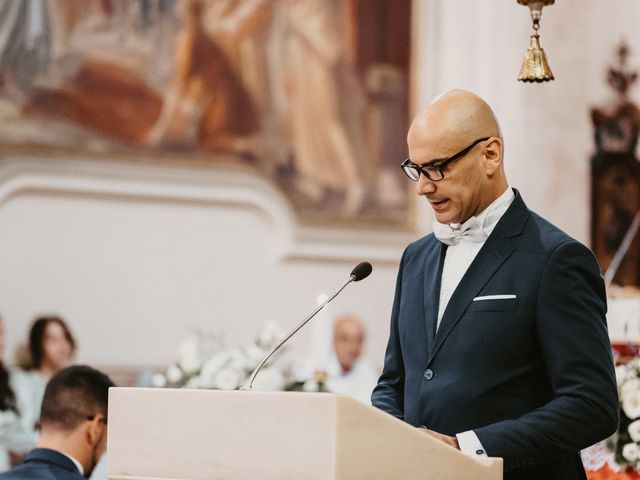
(44, 464)
(533, 375)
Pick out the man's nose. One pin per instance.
(425, 185)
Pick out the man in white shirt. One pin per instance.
(348, 372)
(498, 342)
(73, 427)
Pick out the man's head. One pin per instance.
(73, 418)
(348, 340)
(453, 122)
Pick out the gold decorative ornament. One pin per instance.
(535, 67)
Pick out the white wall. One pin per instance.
(134, 254)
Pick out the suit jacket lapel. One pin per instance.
(495, 251)
(432, 279)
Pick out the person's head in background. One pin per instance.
(73, 418)
(7, 396)
(51, 345)
(348, 340)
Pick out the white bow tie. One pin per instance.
(471, 231)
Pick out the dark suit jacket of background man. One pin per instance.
(533, 375)
(44, 464)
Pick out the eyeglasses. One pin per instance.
(434, 170)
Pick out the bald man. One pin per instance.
(349, 372)
(348, 341)
(498, 342)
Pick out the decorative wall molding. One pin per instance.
(219, 185)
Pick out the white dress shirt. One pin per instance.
(358, 383)
(460, 256)
(456, 263)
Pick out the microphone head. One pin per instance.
(362, 270)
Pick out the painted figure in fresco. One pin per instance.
(108, 76)
(207, 101)
(326, 150)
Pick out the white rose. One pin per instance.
(237, 359)
(269, 379)
(631, 405)
(253, 355)
(631, 452)
(269, 336)
(634, 431)
(310, 386)
(159, 380)
(634, 364)
(214, 365)
(228, 380)
(623, 373)
(195, 382)
(189, 354)
(629, 386)
(174, 374)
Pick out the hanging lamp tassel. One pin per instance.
(535, 67)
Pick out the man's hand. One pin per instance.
(451, 441)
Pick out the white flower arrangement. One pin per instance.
(625, 443)
(202, 363)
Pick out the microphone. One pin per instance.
(360, 272)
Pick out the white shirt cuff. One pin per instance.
(470, 444)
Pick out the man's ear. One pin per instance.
(95, 429)
(493, 155)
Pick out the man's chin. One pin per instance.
(445, 218)
(443, 212)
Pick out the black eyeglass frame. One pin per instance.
(430, 168)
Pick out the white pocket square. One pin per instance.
(494, 297)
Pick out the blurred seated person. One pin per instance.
(348, 372)
(51, 348)
(73, 427)
(14, 440)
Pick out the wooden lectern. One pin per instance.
(207, 434)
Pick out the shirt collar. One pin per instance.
(489, 217)
(75, 462)
(485, 220)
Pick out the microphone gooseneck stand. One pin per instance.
(362, 270)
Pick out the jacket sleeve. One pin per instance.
(572, 332)
(388, 395)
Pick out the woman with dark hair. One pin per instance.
(13, 438)
(51, 345)
(7, 396)
(51, 348)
